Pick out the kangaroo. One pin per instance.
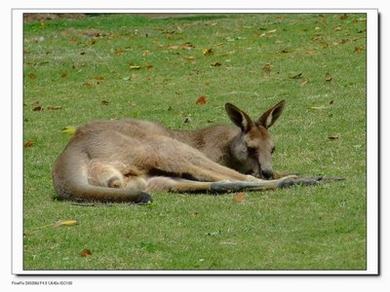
(124, 160)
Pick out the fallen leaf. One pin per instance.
(344, 16)
(69, 130)
(328, 77)
(85, 252)
(322, 107)
(201, 100)
(28, 144)
(70, 222)
(88, 84)
(99, 78)
(358, 50)
(53, 107)
(149, 66)
(189, 58)
(187, 120)
(310, 52)
(337, 28)
(146, 53)
(119, 51)
(296, 76)
(134, 67)
(185, 46)
(32, 76)
(105, 102)
(215, 64)
(324, 44)
(304, 81)
(333, 137)
(215, 233)
(239, 197)
(207, 52)
(267, 68)
(271, 31)
(37, 108)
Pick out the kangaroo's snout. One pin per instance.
(267, 174)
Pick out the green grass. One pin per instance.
(77, 64)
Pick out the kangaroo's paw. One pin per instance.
(306, 181)
(143, 198)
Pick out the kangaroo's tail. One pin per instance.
(70, 179)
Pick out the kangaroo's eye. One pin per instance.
(273, 150)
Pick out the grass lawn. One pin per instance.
(117, 66)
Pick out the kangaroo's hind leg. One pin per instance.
(179, 185)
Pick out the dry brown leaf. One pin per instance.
(216, 64)
(328, 77)
(119, 51)
(311, 52)
(267, 68)
(185, 46)
(303, 82)
(53, 107)
(208, 52)
(333, 137)
(37, 108)
(85, 252)
(239, 197)
(201, 100)
(99, 77)
(28, 144)
(32, 76)
(344, 16)
(358, 50)
(88, 84)
(296, 76)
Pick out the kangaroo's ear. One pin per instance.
(270, 116)
(238, 117)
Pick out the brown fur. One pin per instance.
(121, 160)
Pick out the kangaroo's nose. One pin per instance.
(266, 173)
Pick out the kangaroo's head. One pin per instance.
(252, 149)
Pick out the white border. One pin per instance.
(372, 144)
